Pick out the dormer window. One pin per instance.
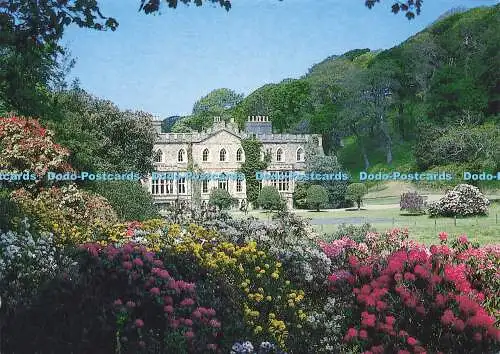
(279, 155)
(181, 155)
(300, 154)
(222, 155)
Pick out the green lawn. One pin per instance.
(483, 229)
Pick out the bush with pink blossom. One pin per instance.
(123, 300)
(417, 300)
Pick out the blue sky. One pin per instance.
(162, 64)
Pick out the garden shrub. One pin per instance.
(271, 305)
(463, 200)
(125, 301)
(354, 232)
(412, 202)
(129, 199)
(10, 215)
(26, 146)
(356, 192)
(247, 347)
(288, 237)
(270, 199)
(72, 215)
(221, 198)
(27, 260)
(416, 300)
(317, 197)
(300, 195)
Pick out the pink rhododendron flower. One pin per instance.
(138, 262)
(411, 341)
(443, 236)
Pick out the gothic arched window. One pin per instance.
(159, 156)
(239, 155)
(222, 155)
(205, 155)
(279, 155)
(180, 155)
(300, 154)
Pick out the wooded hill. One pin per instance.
(430, 103)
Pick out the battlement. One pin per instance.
(262, 119)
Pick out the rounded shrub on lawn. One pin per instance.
(463, 200)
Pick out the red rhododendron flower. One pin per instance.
(409, 277)
(138, 262)
(363, 334)
(187, 302)
(448, 317)
(459, 325)
(154, 291)
(368, 319)
(411, 341)
(390, 320)
(353, 261)
(139, 323)
(443, 236)
(379, 349)
(381, 306)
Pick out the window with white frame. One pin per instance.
(155, 187)
(223, 185)
(181, 186)
(223, 182)
(204, 186)
(169, 186)
(282, 184)
(239, 186)
(205, 155)
(162, 187)
(279, 155)
(239, 155)
(222, 155)
(181, 155)
(300, 154)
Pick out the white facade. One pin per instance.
(219, 150)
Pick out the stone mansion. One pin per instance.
(218, 150)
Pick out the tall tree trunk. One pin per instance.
(363, 150)
(388, 140)
(389, 152)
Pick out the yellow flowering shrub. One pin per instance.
(270, 303)
(150, 233)
(72, 215)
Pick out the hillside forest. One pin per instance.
(431, 103)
